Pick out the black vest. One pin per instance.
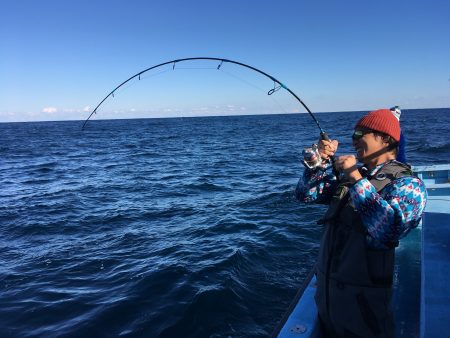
(354, 282)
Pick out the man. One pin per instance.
(370, 209)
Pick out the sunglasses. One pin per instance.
(360, 133)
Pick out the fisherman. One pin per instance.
(371, 207)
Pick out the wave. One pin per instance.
(441, 148)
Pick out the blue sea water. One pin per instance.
(181, 227)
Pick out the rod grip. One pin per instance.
(324, 136)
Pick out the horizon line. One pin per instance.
(200, 116)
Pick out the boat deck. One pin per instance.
(435, 314)
(435, 295)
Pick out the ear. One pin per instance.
(381, 138)
(386, 139)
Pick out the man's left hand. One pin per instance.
(347, 164)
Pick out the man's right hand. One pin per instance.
(327, 148)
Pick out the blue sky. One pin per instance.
(58, 59)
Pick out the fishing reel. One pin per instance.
(311, 157)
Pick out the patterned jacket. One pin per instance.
(388, 215)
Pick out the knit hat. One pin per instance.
(382, 120)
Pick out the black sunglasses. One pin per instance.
(357, 134)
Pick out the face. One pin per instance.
(369, 148)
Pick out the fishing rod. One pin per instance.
(312, 156)
(277, 85)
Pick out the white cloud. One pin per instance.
(7, 116)
(49, 110)
(87, 109)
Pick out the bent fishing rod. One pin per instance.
(277, 85)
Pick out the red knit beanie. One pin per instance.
(382, 120)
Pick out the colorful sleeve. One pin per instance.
(392, 213)
(316, 186)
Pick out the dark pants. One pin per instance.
(328, 332)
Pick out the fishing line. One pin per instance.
(243, 80)
(148, 76)
(209, 68)
(142, 78)
(234, 76)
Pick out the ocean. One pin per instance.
(177, 227)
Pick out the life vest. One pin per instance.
(354, 282)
